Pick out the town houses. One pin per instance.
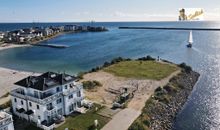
(37, 34)
(1, 36)
(6, 121)
(45, 99)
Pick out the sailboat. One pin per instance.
(190, 40)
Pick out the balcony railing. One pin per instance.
(5, 121)
(34, 99)
(51, 127)
(51, 111)
(78, 99)
(72, 90)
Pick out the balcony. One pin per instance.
(51, 127)
(53, 97)
(7, 120)
(77, 99)
(72, 90)
(51, 111)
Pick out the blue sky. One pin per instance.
(101, 10)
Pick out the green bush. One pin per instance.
(158, 89)
(147, 123)
(89, 85)
(185, 67)
(136, 126)
(147, 58)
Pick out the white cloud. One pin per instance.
(143, 16)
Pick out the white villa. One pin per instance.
(6, 121)
(46, 98)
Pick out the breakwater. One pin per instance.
(161, 109)
(172, 28)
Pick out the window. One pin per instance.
(79, 104)
(79, 94)
(30, 104)
(71, 85)
(71, 108)
(36, 94)
(39, 117)
(15, 99)
(58, 89)
(59, 100)
(38, 107)
(70, 96)
(65, 86)
(22, 102)
(59, 111)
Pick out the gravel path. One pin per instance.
(122, 120)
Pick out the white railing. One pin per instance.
(51, 127)
(7, 120)
(51, 112)
(34, 99)
(78, 99)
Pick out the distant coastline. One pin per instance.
(36, 34)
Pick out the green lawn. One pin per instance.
(83, 121)
(141, 69)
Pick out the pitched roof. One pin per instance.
(45, 81)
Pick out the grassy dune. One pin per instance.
(141, 69)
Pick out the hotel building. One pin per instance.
(44, 99)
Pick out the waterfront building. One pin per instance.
(46, 98)
(6, 121)
(48, 32)
(2, 34)
(68, 28)
(84, 28)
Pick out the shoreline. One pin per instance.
(9, 77)
(167, 101)
(5, 46)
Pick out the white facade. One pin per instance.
(70, 28)
(6, 121)
(44, 106)
(2, 35)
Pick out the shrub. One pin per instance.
(90, 85)
(136, 126)
(146, 122)
(147, 58)
(158, 89)
(185, 67)
(169, 88)
(116, 60)
(106, 64)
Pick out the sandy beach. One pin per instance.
(5, 46)
(8, 76)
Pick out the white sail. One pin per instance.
(190, 38)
